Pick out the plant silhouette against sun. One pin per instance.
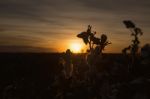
(96, 46)
(90, 39)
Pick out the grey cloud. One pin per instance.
(49, 19)
(25, 49)
(116, 4)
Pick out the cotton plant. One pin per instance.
(90, 39)
(134, 47)
(96, 46)
(145, 54)
(135, 32)
(67, 64)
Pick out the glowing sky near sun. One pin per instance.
(51, 25)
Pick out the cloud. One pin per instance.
(40, 22)
(116, 6)
(24, 49)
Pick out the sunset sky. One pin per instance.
(52, 25)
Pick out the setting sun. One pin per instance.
(75, 47)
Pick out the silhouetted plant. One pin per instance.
(134, 47)
(66, 63)
(135, 31)
(124, 51)
(86, 36)
(129, 24)
(145, 50)
(103, 42)
(96, 46)
(145, 54)
(89, 38)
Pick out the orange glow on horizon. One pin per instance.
(75, 47)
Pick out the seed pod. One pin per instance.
(129, 24)
(103, 38)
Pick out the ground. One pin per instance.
(39, 76)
